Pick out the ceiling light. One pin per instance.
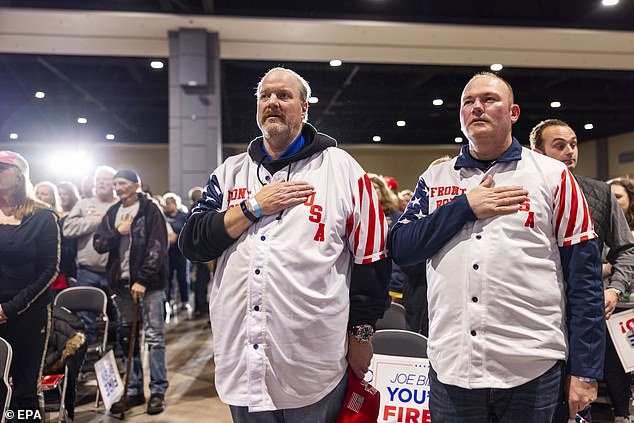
(313, 100)
(609, 2)
(496, 67)
(588, 126)
(555, 104)
(400, 123)
(437, 102)
(13, 136)
(110, 137)
(335, 62)
(82, 120)
(156, 64)
(457, 139)
(376, 138)
(40, 94)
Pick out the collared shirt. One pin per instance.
(279, 300)
(496, 288)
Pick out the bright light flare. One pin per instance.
(71, 163)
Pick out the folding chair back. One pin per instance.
(393, 318)
(86, 298)
(402, 343)
(6, 355)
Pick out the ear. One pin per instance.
(537, 150)
(304, 109)
(515, 113)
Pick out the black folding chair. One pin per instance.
(6, 355)
(92, 299)
(402, 343)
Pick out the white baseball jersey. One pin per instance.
(496, 290)
(280, 295)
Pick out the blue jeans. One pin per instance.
(87, 277)
(533, 402)
(151, 310)
(325, 410)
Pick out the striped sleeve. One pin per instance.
(573, 223)
(212, 197)
(367, 226)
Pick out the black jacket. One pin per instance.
(29, 262)
(65, 339)
(148, 246)
(204, 237)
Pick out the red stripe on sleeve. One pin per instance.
(357, 232)
(562, 201)
(587, 217)
(574, 204)
(369, 243)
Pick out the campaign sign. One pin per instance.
(109, 380)
(404, 386)
(621, 328)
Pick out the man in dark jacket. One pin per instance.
(134, 233)
(556, 139)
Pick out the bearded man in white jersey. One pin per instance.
(302, 269)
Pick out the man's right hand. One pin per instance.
(280, 195)
(488, 201)
(124, 228)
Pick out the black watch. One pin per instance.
(362, 333)
(245, 210)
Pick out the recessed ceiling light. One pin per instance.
(496, 67)
(555, 104)
(313, 100)
(82, 120)
(609, 2)
(335, 62)
(400, 123)
(13, 136)
(588, 126)
(457, 139)
(40, 94)
(157, 64)
(376, 138)
(110, 137)
(437, 102)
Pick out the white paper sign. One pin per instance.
(404, 386)
(621, 328)
(109, 380)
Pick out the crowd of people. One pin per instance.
(113, 237)
(503, 257)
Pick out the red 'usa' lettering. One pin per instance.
(315, 213)
(530, 220)
(319, 235)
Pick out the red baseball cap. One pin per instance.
(12, 158)
(391, 182)
(362, 402)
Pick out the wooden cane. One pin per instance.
(135, 317)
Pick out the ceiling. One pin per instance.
(125, 97)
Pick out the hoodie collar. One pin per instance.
(464, 159)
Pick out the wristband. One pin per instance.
(255, 206)
(247, 212)
(586, 379)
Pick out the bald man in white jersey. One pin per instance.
(513, 270)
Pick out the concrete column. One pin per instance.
(195, 121)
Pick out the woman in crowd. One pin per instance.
(391, 210)
(46, 192)
(623, 190)
(68, 196)
(29, 260)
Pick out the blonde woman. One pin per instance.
(29, 260)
